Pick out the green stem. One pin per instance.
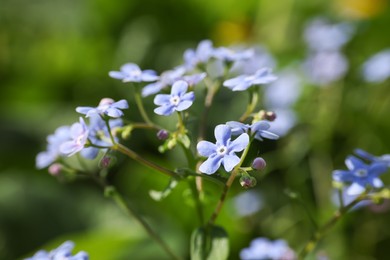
(120, 201)
(133, 155)
(140, 105)
(316, 237)
(254, 97)
(226, 188)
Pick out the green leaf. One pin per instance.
(159, 195)
(210, 243)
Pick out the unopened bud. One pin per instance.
(248, 181)
(106, 101)
(259, 163)
(55, 169)
(106, 161)
(162, 134)
(266, 115)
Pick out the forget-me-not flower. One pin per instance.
(360, 175)
(230, 55)
(178, 100)
(243, 82)
(107, 106)
(63, 252)
(201, 55)
(264, 249)
(131, 72)
(79, 137)
(223, 151)
(258, 129)
(54, 141)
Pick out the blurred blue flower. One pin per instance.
(377, 68)
(79, 137)
(52, 152)
(223, 151)
(258, 129)
(107, 106)
(264, 249)
(168, 78)
(248, 203)
(230, 55)
(178, 100)
(63, 252)
(261, 58)
(360, 175)
(243, 82)
(201, 55)
(321, 35)
(323, 68)
(131, 72)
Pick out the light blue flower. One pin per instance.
(99, 135)
(178, 100)
(264, 249)
(54, 141)
(168, 78)
(79, 137)
(259, 129)
(359, 175)
(223, 151)
(63, 252)
(243, 82)
(131, 72)
(230, 55)
(201, 55)
(107, 106)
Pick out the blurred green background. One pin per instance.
(55, 55)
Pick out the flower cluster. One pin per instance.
(63, 252)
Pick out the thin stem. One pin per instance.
(140, 105)
(254, 97)
(316, 237)
(227, 187)
(133, 155)
(120, 201)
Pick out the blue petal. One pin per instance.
(230, 83)
(239, 144)
(190, 96)
(355, 189)
(162, 99)
(377, 183)
(206, 148)
(211, 165)
(183, 105)
(165, 110)
(122, 104)
(230, 161)
(44, 159)
(222, 134)
(342, 176)
(149, 75)
(354, 163)
(268, 135)
(113, 112)
(377, 168)
(130, 67)
(152, 88)
(83, 110)
(116, 75)
(89, 152)
(242, 86)
(179, 88)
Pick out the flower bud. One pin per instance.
(248, 181)
(162, 134)
(259, 164)
(266, 115)
(106, 161)
(55, 169)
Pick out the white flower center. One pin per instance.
(222, 150)
(175, 100)
(361, 173)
